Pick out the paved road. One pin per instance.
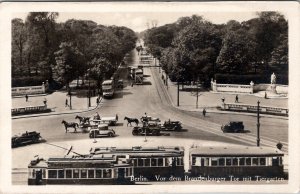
(153, 99)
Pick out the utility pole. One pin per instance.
(70, 95)
(258, 125)
(177, 92)
(197, 94)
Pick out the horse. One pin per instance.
(83, 119)
(72, 125)
(130, 120)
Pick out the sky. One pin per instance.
(138, 21)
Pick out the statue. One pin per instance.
(273, 78)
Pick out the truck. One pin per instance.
(233, 127)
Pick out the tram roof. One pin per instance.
(138, 150)
(107, 81)
(235, 151)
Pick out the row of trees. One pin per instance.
(193, 48)
(67, 51)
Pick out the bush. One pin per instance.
(246, 79)
(27, 81)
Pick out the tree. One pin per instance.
(67, 59)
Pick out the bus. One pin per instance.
(108, 88)
(149, 162)
(80, 169)
(237, 161)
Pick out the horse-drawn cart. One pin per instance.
(110, 121)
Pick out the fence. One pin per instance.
(18, 91)
(29, 110)
(253, 108)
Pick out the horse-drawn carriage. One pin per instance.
(25, 138)
(111, 121)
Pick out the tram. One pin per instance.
(149, 163)
(80, 169)
(236, 161)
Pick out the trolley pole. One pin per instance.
(258, 125)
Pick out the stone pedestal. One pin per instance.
(273, 88)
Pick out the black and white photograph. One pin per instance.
(138, 95)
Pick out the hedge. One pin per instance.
(27, 81)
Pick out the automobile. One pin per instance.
(120, 84)
(171, 125)
(149, 128)
(25, 138)
(100, 131)
(233, 127)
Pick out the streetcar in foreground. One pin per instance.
(149, 163)
(239, 161)
(80, 169)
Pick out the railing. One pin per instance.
(252, 108)
(235, 88)
(29, 110)
(16, 91)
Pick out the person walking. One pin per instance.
(117, 117)
(236, 99)
(204, 112)
(67, 103)
(26, 97)
(97, 101)
(223, 99)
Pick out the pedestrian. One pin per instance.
(26, 96)
(223, 99)
(45, 101)
(279, 145)
(97, 101)
(67, 103)
(204, 112)
(117, 117)
(266, 95)
(97, 116)
(132, 84)
(236, 99)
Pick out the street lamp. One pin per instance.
(89, 92)
(70, 95)
(258, 125)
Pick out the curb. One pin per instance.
(62, 113)
(32, 95)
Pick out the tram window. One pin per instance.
(254, 161)
(153, 162)
(193, 161)
(76, 173)
(147, 162)
(275, 161)
(262, 161)
(83, 173)
(52, 174)
(91, 174)
(61, 174)
(107, 173)
(202, 161)
(68, 173)
(242, 162)
(134, 162)
(214, 161)
(33, 173)
(160, 161)
(98, 173)
(179, 161)
(228, 162)
(140, 162)
(248, 161)
(235, 161)
(221, 161)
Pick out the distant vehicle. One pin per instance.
(171, 126)
(100, 131)
(233, 127)
(25, 138)
(149, 118)
(108, 88)
(120, 84)
(151, 128)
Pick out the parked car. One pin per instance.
(25, 138)
(233, 127)
(150, 128)
(100, 131)
(171, 126)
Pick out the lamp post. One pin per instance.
(89, 92)
(178, 92)
(70, 96)
(258, 125)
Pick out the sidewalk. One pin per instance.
(56, 102)
(210, 100)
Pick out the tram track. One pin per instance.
(207, 126)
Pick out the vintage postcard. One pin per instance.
(149, 97)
